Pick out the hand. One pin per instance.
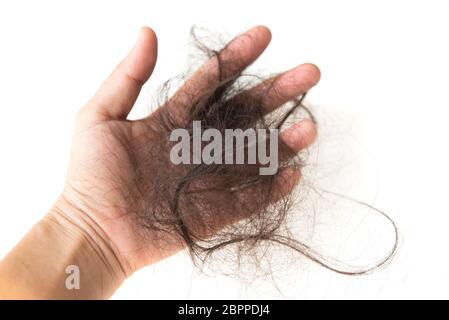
(103, 192)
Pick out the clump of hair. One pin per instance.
(210, 207)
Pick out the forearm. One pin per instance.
(45, 263)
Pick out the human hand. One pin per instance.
(114, 169)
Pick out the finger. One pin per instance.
(233, 59)
(286, 181)
(248, 201)
(276, 91)
(300, 136)
(119, 92)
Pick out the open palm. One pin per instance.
(104, 180)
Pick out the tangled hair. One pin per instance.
(209, 207)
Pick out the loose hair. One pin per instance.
(209, 207)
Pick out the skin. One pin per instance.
(91, 224)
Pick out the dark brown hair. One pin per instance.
(209, 207)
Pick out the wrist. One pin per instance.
(91, 251)
(64, 256)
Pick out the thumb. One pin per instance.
(116, 97)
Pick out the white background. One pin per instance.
(385, 77)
